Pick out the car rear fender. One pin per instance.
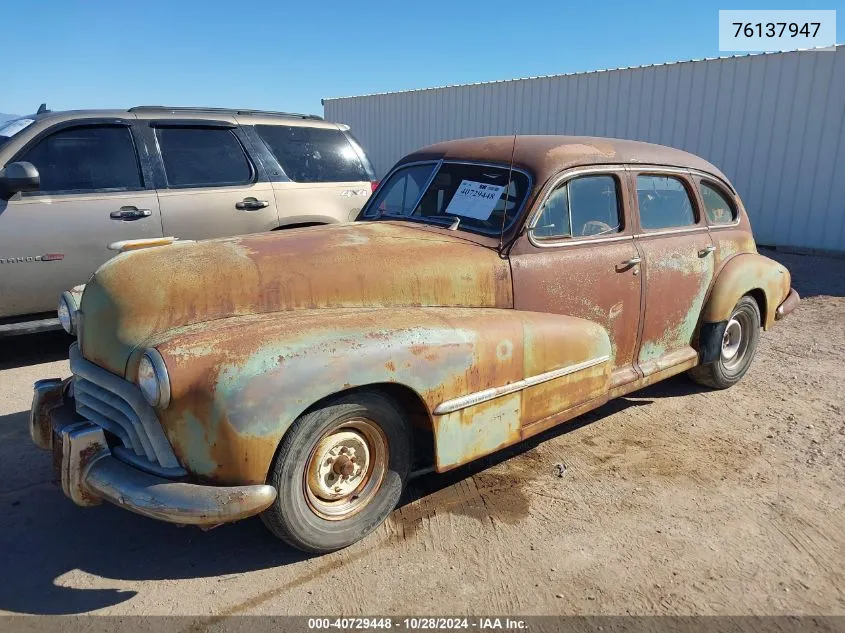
(237, 384)
(747, 273)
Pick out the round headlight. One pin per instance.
(153, 380)
(67, 313)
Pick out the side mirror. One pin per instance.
(17, 177)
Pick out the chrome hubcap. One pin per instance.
(735, 340)
(346, 469)
(731, 339)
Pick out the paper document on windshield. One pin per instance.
(474, 200)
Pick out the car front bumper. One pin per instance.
(90, 473)
(789, 304)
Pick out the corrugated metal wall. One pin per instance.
(773, 123)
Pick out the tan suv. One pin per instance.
(76, 182)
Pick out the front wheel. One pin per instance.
(737, 349)
(339, 473)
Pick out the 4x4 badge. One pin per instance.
(348, 193)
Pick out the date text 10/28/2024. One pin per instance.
(419, 624)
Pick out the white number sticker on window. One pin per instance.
(474, 200)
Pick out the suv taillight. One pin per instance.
(374, 185)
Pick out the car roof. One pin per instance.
(241, 115)
(546, 155)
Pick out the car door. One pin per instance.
(678, 260)
(93, 192)
(579, 259)
(208, 185)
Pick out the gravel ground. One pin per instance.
(674, 500)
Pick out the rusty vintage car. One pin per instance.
(490, 289)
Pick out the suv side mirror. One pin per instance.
(17, 177)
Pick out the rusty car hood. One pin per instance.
(139, 295)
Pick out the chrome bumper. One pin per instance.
(89, 473)
(789, 304)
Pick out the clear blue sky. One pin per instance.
(287, 55)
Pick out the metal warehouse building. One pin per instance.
(772, 122)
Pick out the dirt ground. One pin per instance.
(675, 500)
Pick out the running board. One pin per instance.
(29, 327)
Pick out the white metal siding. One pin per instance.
(773, 123)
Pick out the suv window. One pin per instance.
(310, 154)
(203, 157)
(663, 202)
(583, 206)
(716, 206)
(86, 159)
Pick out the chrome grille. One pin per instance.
(118, 407)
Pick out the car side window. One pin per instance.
(311, 154)
(581, 207)
(203, 157)
(664, 202)
(83, 159)
(716, 205)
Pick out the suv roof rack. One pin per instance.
(142, 108)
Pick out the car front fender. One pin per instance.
(237, 384)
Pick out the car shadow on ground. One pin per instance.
(44, 537)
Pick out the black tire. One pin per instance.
(726, 371)
(294, 516)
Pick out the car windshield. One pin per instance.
(480, 198)
(9, 128)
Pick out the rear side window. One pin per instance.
(663, 202)
(86, 159)
(716, 206)
(203, 157)
(581, 207)
(309, 154)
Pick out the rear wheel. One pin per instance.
(737, 349)
(339, 473)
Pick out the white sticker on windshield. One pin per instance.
(13, 127)
(475, 199)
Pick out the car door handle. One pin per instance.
(251, 204)
(127, 214)
(706, 250)
(632, 262)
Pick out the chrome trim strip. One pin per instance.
(692, 229)
(574, 241)
(723, 225)
(456, 404)
(131, 394)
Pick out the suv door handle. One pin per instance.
(127, 214)
(706, 250)
(251, 204)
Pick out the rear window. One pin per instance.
(203, 157)
(716, 205)
(664, 202)
(309, 154)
